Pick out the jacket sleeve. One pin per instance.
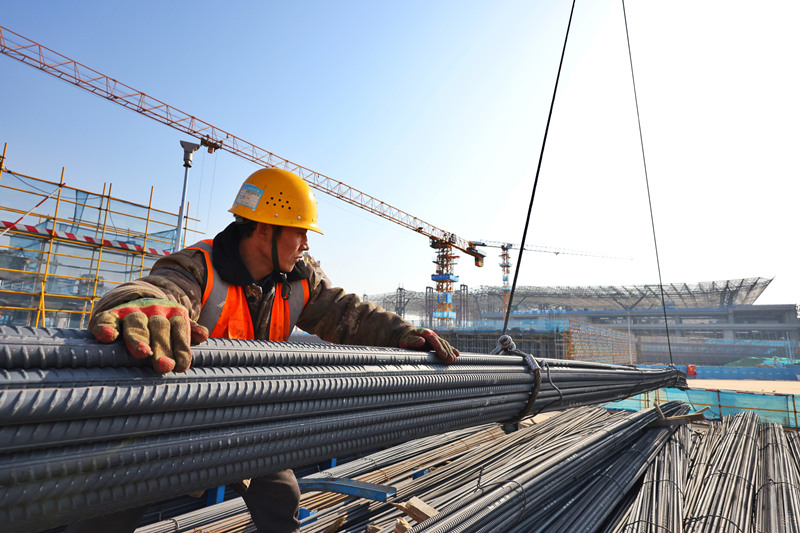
(179, 277)
(341, 318)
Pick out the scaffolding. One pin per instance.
(589, 342)
(555, 339)
(62, 248)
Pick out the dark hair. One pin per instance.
(245, 226)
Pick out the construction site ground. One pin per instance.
(746, 385)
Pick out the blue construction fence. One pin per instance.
(770, 407)
(779, 373)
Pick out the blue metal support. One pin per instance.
(361, 489)
(305, 513)
(215, 495)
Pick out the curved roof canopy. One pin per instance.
(713, 294)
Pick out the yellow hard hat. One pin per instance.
(279, 197)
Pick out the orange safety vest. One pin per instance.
(225, 311)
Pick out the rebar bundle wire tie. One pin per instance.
(546, 366)
(667, 481)
(514, 483)
(770, 483)
(722, 474)
(507, 347)
(691, 521)
(634, 526)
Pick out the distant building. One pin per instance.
(708, 323)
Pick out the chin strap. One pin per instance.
(280, 276)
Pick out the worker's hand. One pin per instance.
(155, 328)
(426, 339)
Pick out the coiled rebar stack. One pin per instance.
(87, 430)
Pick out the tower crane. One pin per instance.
(213, 138)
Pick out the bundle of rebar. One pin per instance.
(386, 466)
(86, 430)
(654, 505)
(722, 477)
(657, 505)
(605, 488)
(525, 502)
(482, 467)
(777, 505)
(568, 470)
(793, 439)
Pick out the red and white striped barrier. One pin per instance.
(24, 228)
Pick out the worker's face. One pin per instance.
(292, 242)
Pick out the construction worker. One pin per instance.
(250, 282)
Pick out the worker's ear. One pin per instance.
(263, 231)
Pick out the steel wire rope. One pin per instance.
(22, 178)
(647, 183)
(536, 178)
(550, 380)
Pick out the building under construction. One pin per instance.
(707, 323)
(62, 248)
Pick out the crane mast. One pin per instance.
(213, 138)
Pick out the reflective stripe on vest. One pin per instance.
(285, 312)
(225, 311)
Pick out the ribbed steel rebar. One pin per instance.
(793, 438)
(777, 503)
(658, 505)
(83, 433)
(478, 470)
(519, 496)
(722, 482)
(601, 490)
(378, 467)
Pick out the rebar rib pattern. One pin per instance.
(87, 430)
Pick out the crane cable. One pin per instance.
(536, 180)
(647, 183)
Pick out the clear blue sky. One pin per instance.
(439, 109)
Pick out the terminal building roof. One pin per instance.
(708, 294)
